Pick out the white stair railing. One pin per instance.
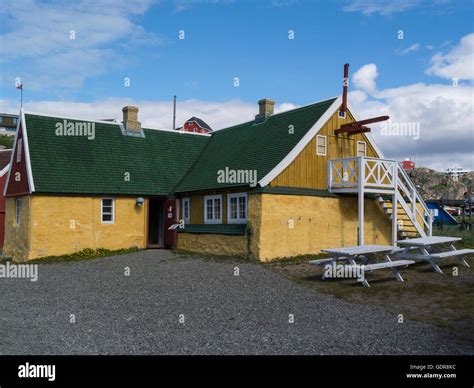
(381, 176)
(413, 204)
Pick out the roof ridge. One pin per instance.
(278, 114)
(118, 123)
(191, 167)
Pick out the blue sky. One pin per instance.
(139, 39)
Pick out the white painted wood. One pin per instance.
(427, 241)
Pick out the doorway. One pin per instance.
(155, 223)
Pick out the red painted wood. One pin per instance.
(170, 219)
(20, 186)
(3, 180)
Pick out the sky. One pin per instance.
(410, 59)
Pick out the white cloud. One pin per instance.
(365, 77)
(414, 47)
(443, 114)
(38, 41)
(382, 7)
(458, 63)
(152, 114)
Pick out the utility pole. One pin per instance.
(174, 113)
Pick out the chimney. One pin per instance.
(266, 107)
(130, 119)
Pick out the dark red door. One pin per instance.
(170, 219)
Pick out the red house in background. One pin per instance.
(5, 156)
(195, 124)
(408, 164)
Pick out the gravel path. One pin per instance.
(223, 313)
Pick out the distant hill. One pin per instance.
(435, 185)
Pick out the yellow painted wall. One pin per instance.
(319, 222)
(308, 170)
(17, 237)
(62, 225)
(215, 244)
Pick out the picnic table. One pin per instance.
(430, 249)
(365, 254)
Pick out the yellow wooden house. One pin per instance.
(280, 185)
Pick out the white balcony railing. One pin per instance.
(380, 176)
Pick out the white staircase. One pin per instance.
(394, 189)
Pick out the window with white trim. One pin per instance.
(107, 215)
(17, 211)
(321, 145)
(237, 208)
(19, 148)
(213, 209)
(361, 148)
(185, 209)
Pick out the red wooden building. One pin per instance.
(195, 124)
(5, 156)
(408, 164)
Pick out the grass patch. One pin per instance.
(85, 254)
(440, 299)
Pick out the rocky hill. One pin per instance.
(435, 185)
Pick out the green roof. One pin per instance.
(161, 162)
(76, 165)
(251, 146)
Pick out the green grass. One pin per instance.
(85, 254)
(454, 231)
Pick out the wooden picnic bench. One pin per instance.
(365, 253)
(430, 250)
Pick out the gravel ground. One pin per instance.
(223, 313)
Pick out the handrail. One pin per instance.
(380, 172)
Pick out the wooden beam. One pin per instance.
(361, 130)
(352, 131)
(364, 122)
(344, 87)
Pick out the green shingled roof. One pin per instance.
(76, 165)
(251, 146)
(162, 162)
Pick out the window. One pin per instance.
(19, 148)
(342, 114)
(185, 209)
(237, 208)
(18, 211)
(108, 211)
(321, 145)
(361, 148)
(15, 120)
(213, 209)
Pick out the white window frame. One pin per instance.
(102, 211)
(213, 198)
(341, 114)
(19, 149)
(18, 204)
(237, 220)
(188, 201)
(365, 148)
(325, 145)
